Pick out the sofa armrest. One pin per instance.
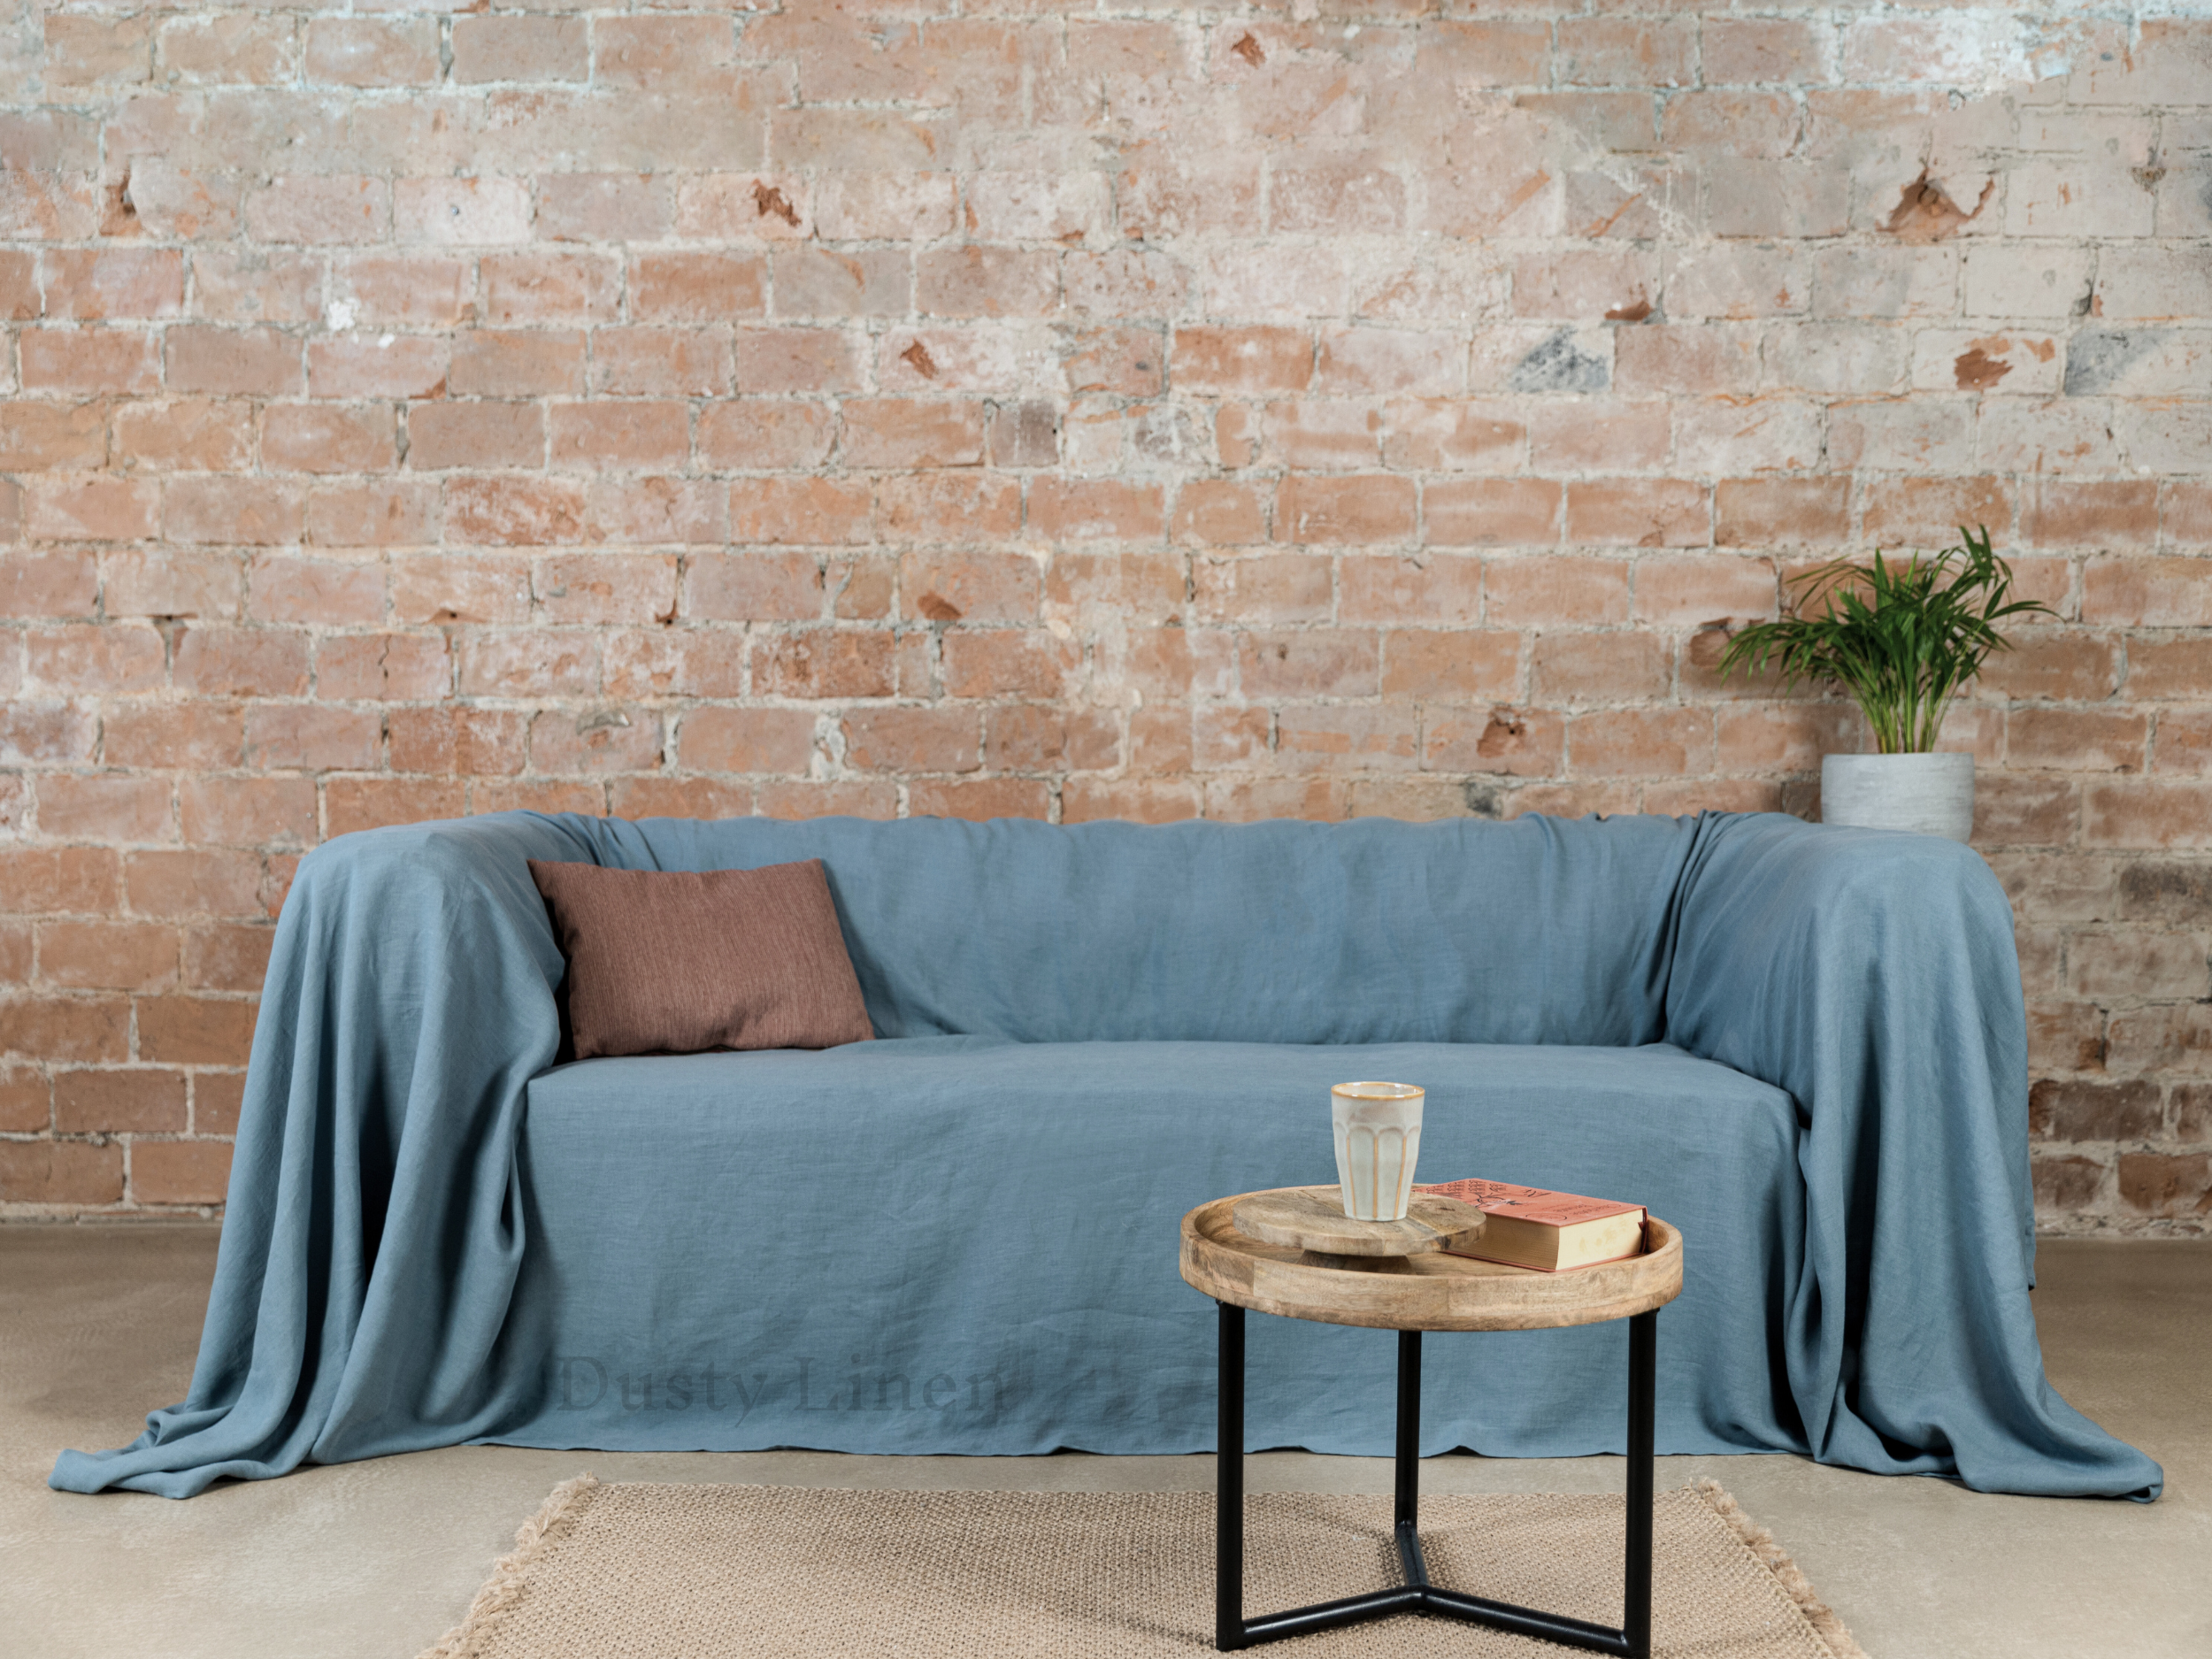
(1873, 976)
(372, 1231)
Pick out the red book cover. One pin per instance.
(1528, 1204)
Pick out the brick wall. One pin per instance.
(1235, 411)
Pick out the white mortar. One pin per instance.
(1932, 795)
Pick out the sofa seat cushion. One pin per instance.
(965, 1245)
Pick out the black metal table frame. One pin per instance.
(1232, 1631)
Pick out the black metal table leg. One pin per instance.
(1643, 1404)
(1229, 1488)
(1232, 1631)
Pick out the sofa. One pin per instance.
(1805, 1047)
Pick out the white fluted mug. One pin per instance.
(1377, 1138)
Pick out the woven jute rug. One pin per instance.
(638, 1572)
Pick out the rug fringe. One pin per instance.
(1760, 1542)
(563, 1506)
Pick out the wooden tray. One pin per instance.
(1427, 1291)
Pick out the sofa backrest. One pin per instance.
(1540, 930)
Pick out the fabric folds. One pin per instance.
(379, 1288)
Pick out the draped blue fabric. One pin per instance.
(1804, 1046)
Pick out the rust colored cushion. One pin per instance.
(674, 961)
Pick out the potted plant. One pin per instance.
(1902, 638)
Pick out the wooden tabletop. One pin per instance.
(1430, 1292)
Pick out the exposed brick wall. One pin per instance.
(1225, 412)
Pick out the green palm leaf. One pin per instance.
(1900, 638)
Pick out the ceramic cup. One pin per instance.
(1377, 1137)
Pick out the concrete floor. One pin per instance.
(375, 1560)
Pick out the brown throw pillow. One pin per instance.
(672, 962)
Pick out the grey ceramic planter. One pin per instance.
(1930, 794)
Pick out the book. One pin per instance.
(1553, 1233)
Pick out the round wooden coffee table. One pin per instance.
(1309, 1262)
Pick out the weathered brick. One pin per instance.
(75, 1174)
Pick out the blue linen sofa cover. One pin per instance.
(1805, 1045)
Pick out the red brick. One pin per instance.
(383, 667)
(179, 1171)
(599, 206)
(955, 507)
(1702, 589)
(249, 811)
(1475, 667)
(895, 431)
(92, 1030)
(2143, 812)
(824, 663)
(972, 588)
(379, 513)
(104, 807)
(974, 282)
(25, 1107)
(801, 511)
(517, 362)
(610, 436)
(231, 510)
(1137, 800)
(107, 956)
(680, 797)
(697, 287)
(218, 1097)
(37, 436)
(1540, 592)
(1221, 512)
(69, 878)
(1639, 512)
(1761, 512)
(1095, 510)
(72, 1173)
(1009, 662)
(1346, 737)
(1640, 742)
(979, 798)
(769, 433)
(932, 740)
(536, 285)
(746, 739)
(767, 360)
(2165, 1184)
(320, 210)
(1264, 359)
(364, 52)
(174, 734)
(754, 588)
(90, 360)
(2122, 514)
(2165, 592)
(1569, 669)
(138, 1101)
(530, 662)
(96, 285)
(1363, 511)
(2076, 740)
(475, 433)
(184, 435)
(48, 584)
(359, 803)
(1926, 512)
(310, 737)
(328, 438)
(661, 362)
(62, 508)
(526, 49)
(383, 365)
(45, 732)
(242, 661)
(1491, 512)
(520, 511)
